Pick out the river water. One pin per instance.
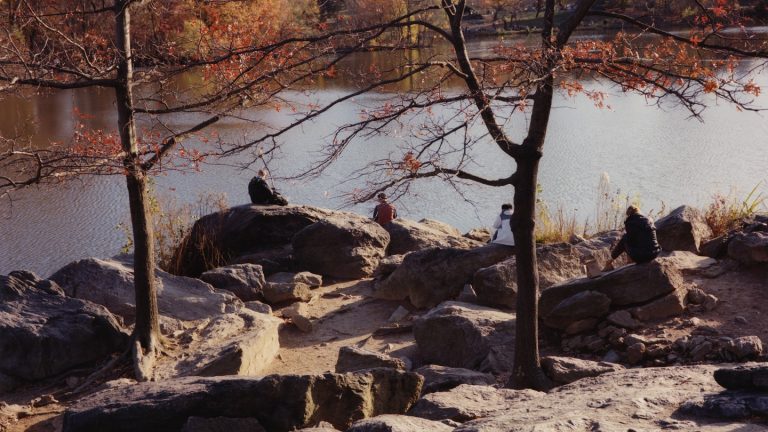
(657, 154)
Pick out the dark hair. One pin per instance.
(506, 206)
(382, 195)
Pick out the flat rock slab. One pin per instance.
(408, 236)
(565, 370)
(398, 423)
(245, 280)
(278, 402)
(109, 282)
(44, 333)
(353, 359)
(442, 378)
(743, 378)
(468, 402)
(642, 399)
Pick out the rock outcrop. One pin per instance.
(354, 359)
(565, 370)
(683, 229)
(345, 248)
(245, 280)
(398, 423)
(468, 402)
(749, 248)
(109, 282)
(441, 378)
(466, 336)
(44, 333)
(433, 275)
(408, 236)
(277, 402)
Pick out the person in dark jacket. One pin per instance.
(639, 240)
(384, 213)
(261, 193)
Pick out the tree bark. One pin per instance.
(147, 330)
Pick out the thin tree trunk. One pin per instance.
(146, 331)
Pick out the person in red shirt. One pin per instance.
(384, 213)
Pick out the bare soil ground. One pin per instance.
(346, 314)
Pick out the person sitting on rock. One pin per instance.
(639, 240)
(503, 225)
(261, 193)
(384, 213)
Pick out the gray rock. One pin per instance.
(222, 424)
(465, 336)
(683, 229)
(299, 315)
(387, 266)
(636, 353)
(749, 248)
(242, 343)
(44, 333)
(700, 351)
(468, 402)
(321, 427)
(672, 304)
(580, 306)
(110, 283)
(259, 307)
(354, 359)
(245, 280)
(716, 247)
(307, 278)
(441, 378)
(408, 236)
(439, 226)
(399, 314)
(623, 318)
(277, 293)
(565, 370)
(433, 275)
(748, 378)
(730, 407)
(278, 402)
(262, 232)
(346, 248)
(397, 423)
(745, 347)
(687, 262)
(629, 285)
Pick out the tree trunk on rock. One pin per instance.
(147, 330)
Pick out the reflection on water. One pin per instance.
(656, 154)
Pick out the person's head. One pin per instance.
(382, 197)
(262, 173)
(506, 206)
(631, 210)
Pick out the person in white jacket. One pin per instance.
(503, 234)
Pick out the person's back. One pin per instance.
(503, 225)
(261, 193)
(384, 213)
(641, 243)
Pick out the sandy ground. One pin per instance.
(346, 314)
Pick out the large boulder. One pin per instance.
(44, 333)
(468, 402)
(243, 343)
(343, 247)
(433, 275)
(630, 285)
(407, 236)
(109, 282)
(749, 248)
(307, 278)
(245, 280)
(398, 423)
(247, 230)
(683, 229)
(277, 402)
(497, 285)
(580, 306)
(466, 336)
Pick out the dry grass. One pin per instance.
(725, 212)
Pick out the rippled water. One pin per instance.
(657, 154)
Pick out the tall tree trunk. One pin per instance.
(526, 372)
(146, 331)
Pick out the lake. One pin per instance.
(657, 154)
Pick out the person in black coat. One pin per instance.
(639, 240)
(261, 193)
